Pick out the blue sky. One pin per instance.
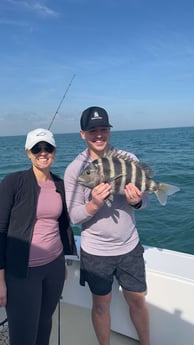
(135, 58)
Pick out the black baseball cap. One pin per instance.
(94, 117)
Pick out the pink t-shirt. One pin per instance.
(46, 243)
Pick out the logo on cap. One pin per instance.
(41, 134)
(96, 116)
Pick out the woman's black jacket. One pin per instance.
(19, 193)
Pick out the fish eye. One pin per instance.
(88, 172)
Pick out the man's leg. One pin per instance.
(101, 318)
(139, 314)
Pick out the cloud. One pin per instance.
(33, 6)
(44, 10)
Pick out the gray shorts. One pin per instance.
(99, 271)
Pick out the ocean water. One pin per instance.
(170, 154)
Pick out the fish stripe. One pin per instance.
(133, 173)
(100, 167)
(143, 181)
(151, 186)
(112, 168)
(115, 171)
(124, 173)
(107, 169)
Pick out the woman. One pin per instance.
(34, 236)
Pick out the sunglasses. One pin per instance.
(39, 147)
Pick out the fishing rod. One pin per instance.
(62, 99)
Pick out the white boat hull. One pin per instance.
(170, 297)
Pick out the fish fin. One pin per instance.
(148, 171)
(126, 157)
(164, 190)
(115, 154)
(109, 200)
(112, 179)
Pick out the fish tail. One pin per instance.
(164, 190)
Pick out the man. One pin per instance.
(109, 239)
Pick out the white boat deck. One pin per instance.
(76, 328)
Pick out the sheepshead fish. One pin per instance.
(118, 170)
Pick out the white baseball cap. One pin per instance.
(37, 135)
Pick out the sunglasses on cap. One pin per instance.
(45, 147)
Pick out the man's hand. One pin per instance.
(99, 194)
(133, 194)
